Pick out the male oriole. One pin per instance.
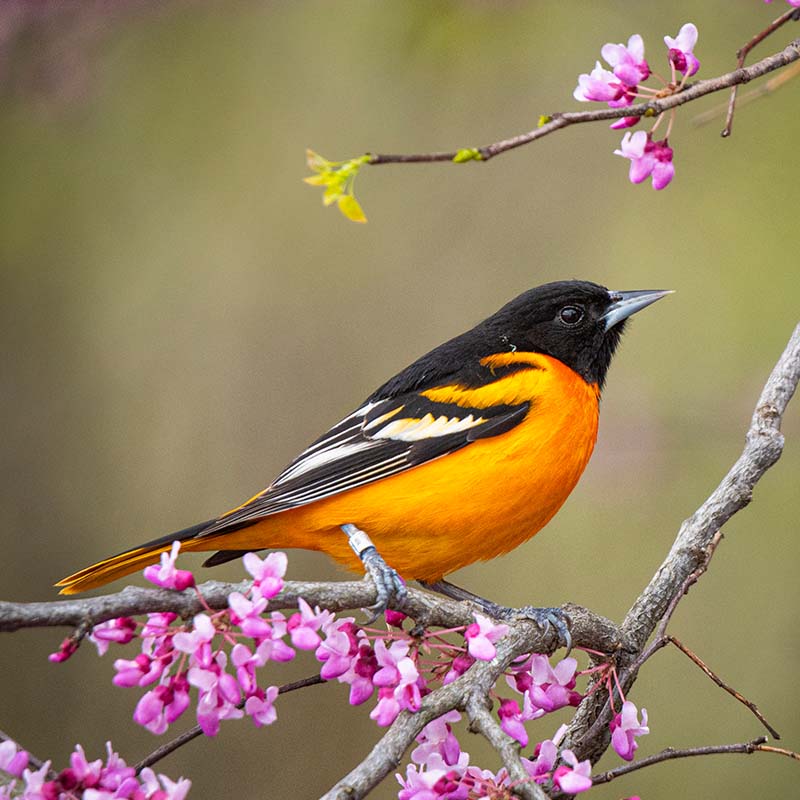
(460, 457)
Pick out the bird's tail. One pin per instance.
(123, 564)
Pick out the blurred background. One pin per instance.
(180, 316)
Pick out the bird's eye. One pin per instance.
(571, 315)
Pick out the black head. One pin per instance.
(577, 322)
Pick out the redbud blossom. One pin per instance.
(574, 778)
(648, 158)
(166, 575)
(601, 86)
(482, 635)
(680, 50)
(625, 727)
(121, 630)
(12, 759)
(628, 63)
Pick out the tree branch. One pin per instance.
(588, 733)
(756, 746)
(554, 122)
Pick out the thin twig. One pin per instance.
(667, 755)
(194, 732)
(722, 685)
(742, 54)
(766, 88)
(654, 107)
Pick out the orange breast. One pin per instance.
(470, 505)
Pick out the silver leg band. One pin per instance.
(358, 540)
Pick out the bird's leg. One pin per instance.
(543, 617)
(388, 584)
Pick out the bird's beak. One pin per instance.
(626, 303)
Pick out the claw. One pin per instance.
(544, 618)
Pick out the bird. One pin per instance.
(460, 457)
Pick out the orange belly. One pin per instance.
(471, 505)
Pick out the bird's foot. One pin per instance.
(389, 586)
(543, 617)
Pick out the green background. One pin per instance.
(180, 316)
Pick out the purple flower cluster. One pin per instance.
(441, 770)
(176, 658)
(219, 654)
(619, 87)
(544, 688)
(89, 780)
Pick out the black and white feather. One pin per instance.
(380, 439)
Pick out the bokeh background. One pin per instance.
(180, 316)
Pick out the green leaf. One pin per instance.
(332, 193)
(544, 119)
(317, 162)
(467, 154)
(351, 208)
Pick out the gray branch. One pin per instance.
(588, 733)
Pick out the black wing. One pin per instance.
(380, 439)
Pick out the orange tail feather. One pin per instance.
(110, 569)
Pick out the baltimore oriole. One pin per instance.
(460, 457)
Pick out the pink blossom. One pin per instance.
(437, 737)
(482, 635)
(574, 778)
(601, 86)
(336, 651)
(360, 673)
(260, 707)
(267, 573)
(551, 687)
(793, 3)
(625, 727)
(166, 575)
(648, 158)
(13, 760)
(511, 721)
(140, 671)
(461, 663)
(681, 48)
(160, 707)
(157, 624)
(202, 633)
(395, 619)
(67, 647)
(398, 680)
(628, 63)
(35, 782)
(121, 630)
(624, 122)
(247, 615)
(420, 784)
(546, 753)
(304, 624)
(162, 788)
